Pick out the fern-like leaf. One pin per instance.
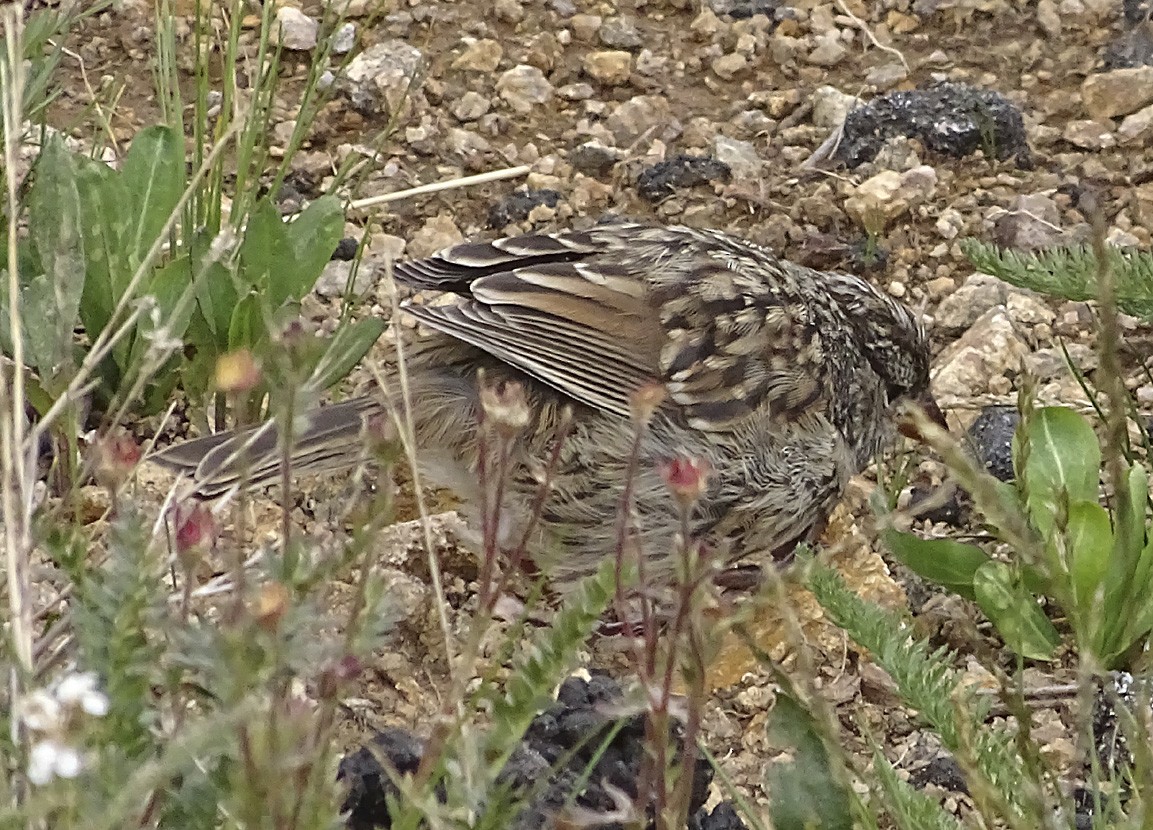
(1070, 273)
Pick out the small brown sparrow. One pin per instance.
(779, 379)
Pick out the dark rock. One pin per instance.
(991, 439)
(951, 119)
(723, 817)
(574, 753)
(1136, 11)
(593, 159)
(369, 786)
(659, 181)
(345, 250)
(1132, 48)
(953, 511)
(742, 9)
(944, 772)
(517, 206)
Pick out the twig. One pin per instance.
(860, 24)
(435, 187)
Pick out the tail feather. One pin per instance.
(251, 457)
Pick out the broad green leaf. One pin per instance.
(350, 343)
(1089, 538)
(265, 248)
(1014, 612)
(805, 792)
(247, 327)
(217, 298)
(313, 236)
(943, 561)
(1128, 582)
(1139, 621)
(153, 173)
(1064, 457)
(50, 305)
(172, 287)
(104, 217)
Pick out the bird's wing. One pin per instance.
(597, 314)
(577, 327)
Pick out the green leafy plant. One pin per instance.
(1092, 558)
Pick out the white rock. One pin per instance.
(976, 295)
(830, 106)
(1137, 126)
(343, 39)
(1089, 134)
(1119, 92)
(740, 156)
(479, 56)
(889, 194)
(383, 78)
(294, 29)
(524, 87)
(950, 223)
(829, 50)
(436, 233)
(610, 66)
(983, 359)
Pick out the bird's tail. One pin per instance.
(330, 439)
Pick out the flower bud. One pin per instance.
(237, 372)
(115, 456)
(196, 528)
(687, 479)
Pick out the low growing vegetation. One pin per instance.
(143, 690)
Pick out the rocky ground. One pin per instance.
(605, 100)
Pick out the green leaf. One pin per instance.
(943, 561)
(104, 222)
(1089, 536)
(1014, 612)
(1064, 463)
(313, 236)
(216, 297)
(265, 248)
(806, 792)
(153, 173)
(169, 286)
(50, 304)
(1125, 612)
(350, 343)
(247, 327)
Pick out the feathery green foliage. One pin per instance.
(927, 683)
(1070, 273)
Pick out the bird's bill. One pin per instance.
(928, 405)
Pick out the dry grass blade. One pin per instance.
(16, 485)
(436, 187)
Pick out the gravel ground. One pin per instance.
(725, 113)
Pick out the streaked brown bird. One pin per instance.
(782, 379)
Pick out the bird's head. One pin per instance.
(893, 340)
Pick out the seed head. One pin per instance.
(646, 400)
(505, 406)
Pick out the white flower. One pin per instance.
(41, 712)
(51, 759)
(79, 690)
